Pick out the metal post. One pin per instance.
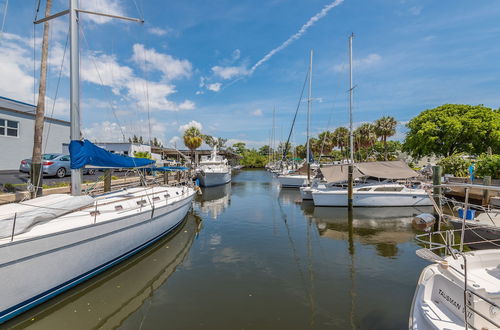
(76, 174)
(464, 216)
(350, 178)
(486, 192)
(13, 227)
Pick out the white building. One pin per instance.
(17, 125)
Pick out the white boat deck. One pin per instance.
(122, 203)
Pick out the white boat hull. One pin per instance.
(292, 181)
(212, 179)
(370, 199)
(38, 268)
(306, 193)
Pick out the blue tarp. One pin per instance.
(86, 153)
(170, 168)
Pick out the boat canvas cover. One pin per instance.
(383, 169)
(387, 169)
(41, 209)
(338, 173)
(86, 153)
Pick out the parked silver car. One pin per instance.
(53, 165)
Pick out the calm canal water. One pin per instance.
(250, 256)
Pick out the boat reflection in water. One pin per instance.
(214, 200)
(384, 227)
(106, 301)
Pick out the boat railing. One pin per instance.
(468, 302)
(446, 240)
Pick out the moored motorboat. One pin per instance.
(384, 194)
(213, 171)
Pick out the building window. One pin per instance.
(9, 128)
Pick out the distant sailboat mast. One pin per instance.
(351, 137)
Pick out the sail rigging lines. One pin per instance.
(295, 116)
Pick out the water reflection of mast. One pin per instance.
(351, 249)
(311, 272)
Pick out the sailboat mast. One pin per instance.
(76, 175)
(309, 116)
(351, 135)
(350, 171)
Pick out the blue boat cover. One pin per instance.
(86, 153)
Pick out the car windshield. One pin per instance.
(49, 156)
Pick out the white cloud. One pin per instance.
(360, 64)
(171, 68)
(157, 31)
(192, 123)
(174, 141)
(229, 72)
(215, 87)
(112, 7)
(236, 54)
(257, 113)
(107, 131)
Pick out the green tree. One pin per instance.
(239, 147)
(142, 154)
(192, 139)
(300, 150)
(341, 138)
(456, 165)
(209, 140)
(453, 128)
(488, 165)
(326, 139)
(253, 159)
(385, 127)
(265, 150)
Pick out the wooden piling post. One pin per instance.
(107, 180)
(436, 181)
(486, 192)
(165, 177)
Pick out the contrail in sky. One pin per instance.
(297, 35)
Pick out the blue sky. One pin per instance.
(195, 62)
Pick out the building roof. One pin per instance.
(24, 108)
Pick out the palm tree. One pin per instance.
(192, 139)
(364, 137)
(385, 127)
(341, 138)
(326, 142)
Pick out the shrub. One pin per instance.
(455, 165)
(488, 165)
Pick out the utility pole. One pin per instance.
(36, 158)
(351, 137)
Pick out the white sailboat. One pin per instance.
(299, 178)
(214, 170)
(52, 243)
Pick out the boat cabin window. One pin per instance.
(364, 189)
(118, 207)
(389, 188)
(141, 202)
(156, 198)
